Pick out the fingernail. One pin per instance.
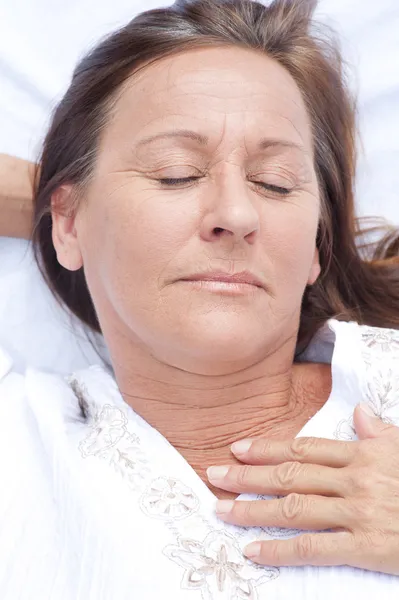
(241, 447)
(252, 550)
(224, 506)
(368, 410)
(217, 473)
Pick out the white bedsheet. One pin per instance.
(40, 43)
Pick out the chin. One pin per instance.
(225, 344)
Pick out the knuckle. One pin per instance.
(263, 449)
(247, 511)
(300, 448)
(306, 548)
(286, 474)
(361, 481)
(291, 507)
(275, 553)
(242, 475)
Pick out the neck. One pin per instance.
(201, 416)
(197, 418)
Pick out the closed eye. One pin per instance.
(276, 189)
(175, 181)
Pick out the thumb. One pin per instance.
(368, 424)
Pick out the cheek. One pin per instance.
(131, 243)
(290, 241)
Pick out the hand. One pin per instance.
(351, 488)
(16, 192)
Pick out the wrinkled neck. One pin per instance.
(202, 415)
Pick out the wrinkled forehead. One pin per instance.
(225, 91)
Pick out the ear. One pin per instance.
(64, 234)
(315, 269)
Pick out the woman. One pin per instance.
(195, 205)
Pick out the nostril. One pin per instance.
(218, 230)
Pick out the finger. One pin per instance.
(292, 512)
(330, 453)
(282, 479)
(369, 425)
(320, 549)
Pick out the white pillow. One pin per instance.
(369, 31)
(34, 330)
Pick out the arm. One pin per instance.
(16, 192)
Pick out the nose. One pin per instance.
(231, 213)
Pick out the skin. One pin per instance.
(175, 346)
(350, 488)
(16, 189)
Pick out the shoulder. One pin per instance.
(367, 359)
(361, 356)
(364, 368)
(372, 342)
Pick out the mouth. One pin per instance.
(237, 284)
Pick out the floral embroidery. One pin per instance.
(109, 439)
(383, 395)
(168, 498)
(384, 340)
(382, 388)
(110, 425)
(217, 568)
(214, 563)
(279, 533)
(345, 430)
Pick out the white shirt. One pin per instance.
(102, 507)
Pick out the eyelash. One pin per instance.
(178, 181)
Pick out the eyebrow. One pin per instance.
(203, 140)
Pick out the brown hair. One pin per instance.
(358, 281)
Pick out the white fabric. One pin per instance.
(35, 67)
(34, 329)
(102, 507)
(41, 41)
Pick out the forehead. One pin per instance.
(216, 89)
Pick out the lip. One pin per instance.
(244, 277)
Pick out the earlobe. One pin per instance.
(64, 232)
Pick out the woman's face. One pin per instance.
(206, 166)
